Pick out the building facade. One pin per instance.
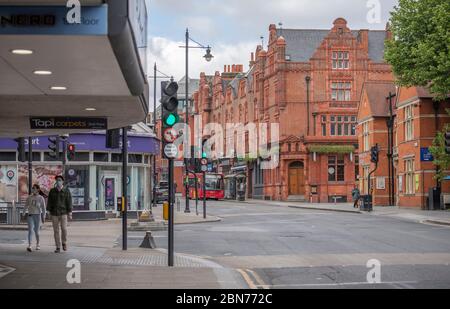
(309, 82)
(93, 176)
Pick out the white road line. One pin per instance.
(4, 270)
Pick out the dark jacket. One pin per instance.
(356, 194)
(59, 202)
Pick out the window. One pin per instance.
(100, 157)
(80, 157)
(409, 123)
(324, 125)
(341, 91)
(343, 126)
(409, 176)
(356, 168)
(336, 168)
(340, 60)
(8, 156)
(116, 157)
(135, 158)
(366, 136)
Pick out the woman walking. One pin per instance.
(35, 210)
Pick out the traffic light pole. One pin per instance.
(124, 188)
(204, 195)
(171, 215)
(30, 164)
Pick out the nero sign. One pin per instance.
(68, 123)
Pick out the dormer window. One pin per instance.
(341, 60)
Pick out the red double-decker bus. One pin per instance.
(215, 189)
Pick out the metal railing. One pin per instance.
(11, 213)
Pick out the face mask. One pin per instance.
(59, 184)
(35, 191)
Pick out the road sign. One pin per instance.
(204, 168)
(171, 151)
(170, 135)
(204, 162)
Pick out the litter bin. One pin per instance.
(367, 203)
(434, 199)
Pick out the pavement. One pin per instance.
(255, 244)
(441, 217)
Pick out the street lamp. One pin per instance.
(208, 57)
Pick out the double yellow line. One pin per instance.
(252, 279)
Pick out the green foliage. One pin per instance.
(420, 50)
(441, 158)
(332, 149)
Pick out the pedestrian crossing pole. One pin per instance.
(171, 214)
(124, 188)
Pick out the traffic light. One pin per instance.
(21, 149)
(374, 154)
(71, 151)
(113, 139)
(170, 117)
(54, 147)
(447, 143)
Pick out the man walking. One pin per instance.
(60, 208)
(356, 195)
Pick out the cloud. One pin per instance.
(170, 59)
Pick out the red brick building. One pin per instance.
(310, 82)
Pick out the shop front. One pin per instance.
(93, 176)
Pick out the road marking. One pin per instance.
(258, 279)
(4, 270)
(406, 283)
(247, 279)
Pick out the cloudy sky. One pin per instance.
(233, 27)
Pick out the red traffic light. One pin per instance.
(71, 148)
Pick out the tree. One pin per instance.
(441, 158)
(420, 49)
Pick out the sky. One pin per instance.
(233, 28)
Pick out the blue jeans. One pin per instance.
(34, 224)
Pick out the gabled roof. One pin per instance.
(377, 92)
(302, 43)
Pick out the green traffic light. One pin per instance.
(171, 120)
(204, 155)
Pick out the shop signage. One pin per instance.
(52, 20)
(68, 123)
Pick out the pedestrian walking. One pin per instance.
(35, 212)
(356, 195)
(60, 208)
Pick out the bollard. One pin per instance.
(178, 204)
(166, 211)
(148, 242)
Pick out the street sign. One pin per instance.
(68, 123)
(204, 168)
(204, 162)
(171, 151)
(425, 155)
(170, 135)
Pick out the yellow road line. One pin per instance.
(247, 279)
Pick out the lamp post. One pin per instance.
(208, 57)
(155, 77)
